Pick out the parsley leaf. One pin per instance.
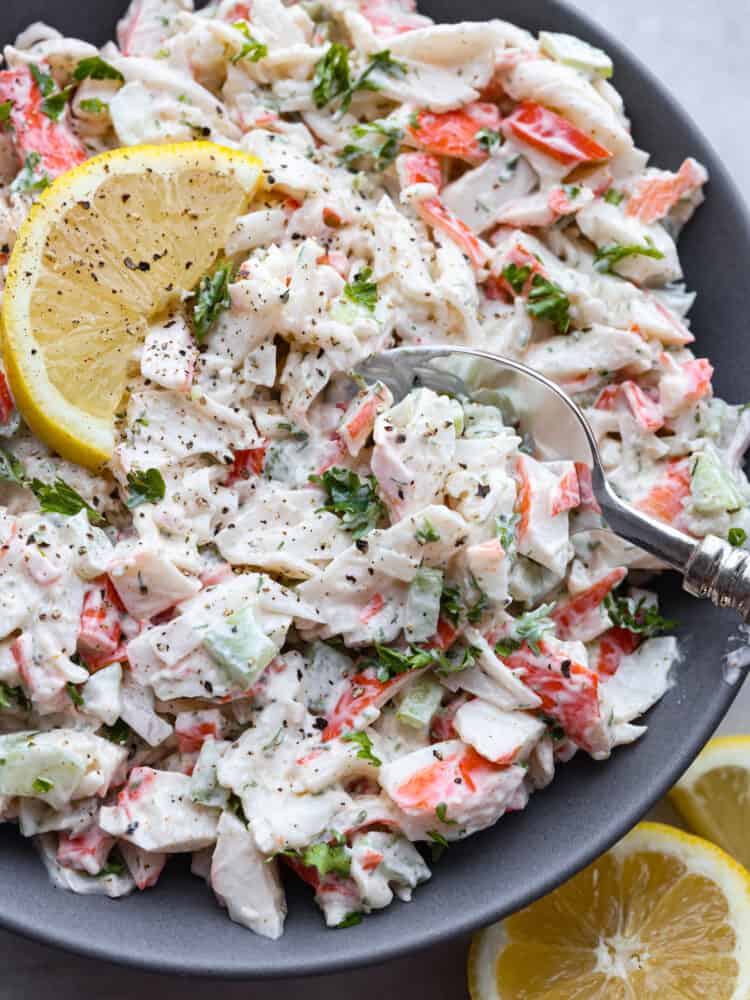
(364, 743)
(353, 499)
(59, 498)
(614, 197)
(118, 732)
(383, 154)
(530, 628)
(145, 487)
(28, 180)
(633, 615)
(361, 290)
(427, 533)
(74, 694)
(5, 110)
(331, 77)
(11, 470)
(211, 299)
(548, 301)
(517, 277)
(445, 665)
(252, 49)
(392, 662)
(736, 536)
(350, 920)
(476, 610)
(43, 80)
(54, 105)
(607, 257)
(489, 139)
(96, 68)
(42, 785)
(438, 845)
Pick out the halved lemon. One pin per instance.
(713, 796)
(108, 247)
(662, 916)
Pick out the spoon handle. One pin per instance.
(721, 572)
(711, 567)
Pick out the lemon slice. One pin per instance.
(108, 247)
(713, 796)
(663, 916)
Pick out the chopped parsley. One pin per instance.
(11, 470)
(54, 105)
(114, 865)
(93, 106)
(427, 533)
(548, 301)
(361, 290)
(364, 743)
(505, 529)
(614, 197)
(383, 154)
(59, 498)
(451, 605)
(517, 277)
(475, 611)
(74, 694)
(253, 50)
(145, 487)
(635, 616)
(43, 80)
(211, 299)
(97, 69)
(332, 78)
(392, 662)
(530, 628)
(571, 191)
(438, 844)
(441, 811)
(28, 180)
(323, 857)
(42, 785)
(736, 536)
(6, 108)
(119, 732)
(445, 665)
(352, 499)
(350, 920)
(607, 257)
(489, 139)
(13, 697)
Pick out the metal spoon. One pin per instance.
(710, 567)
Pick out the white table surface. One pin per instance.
(699, 49)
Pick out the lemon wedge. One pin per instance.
(110, 246)
(713, 796)
(662, 916)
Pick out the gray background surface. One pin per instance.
(699, 49)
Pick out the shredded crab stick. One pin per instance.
(655, 197)
(456, 133)
(292, 621)
(553, 135)
(35, 133)
(422, 168)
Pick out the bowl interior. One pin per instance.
(177, 927)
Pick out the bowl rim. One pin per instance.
(323, 964)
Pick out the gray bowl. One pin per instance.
(177, 927)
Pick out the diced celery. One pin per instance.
(575, 52)
(40, 764)
(423, 604)
(482, 421)
(420, 702)
(240, 646)
(326, 667)
(712, 487)
(204, 786)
